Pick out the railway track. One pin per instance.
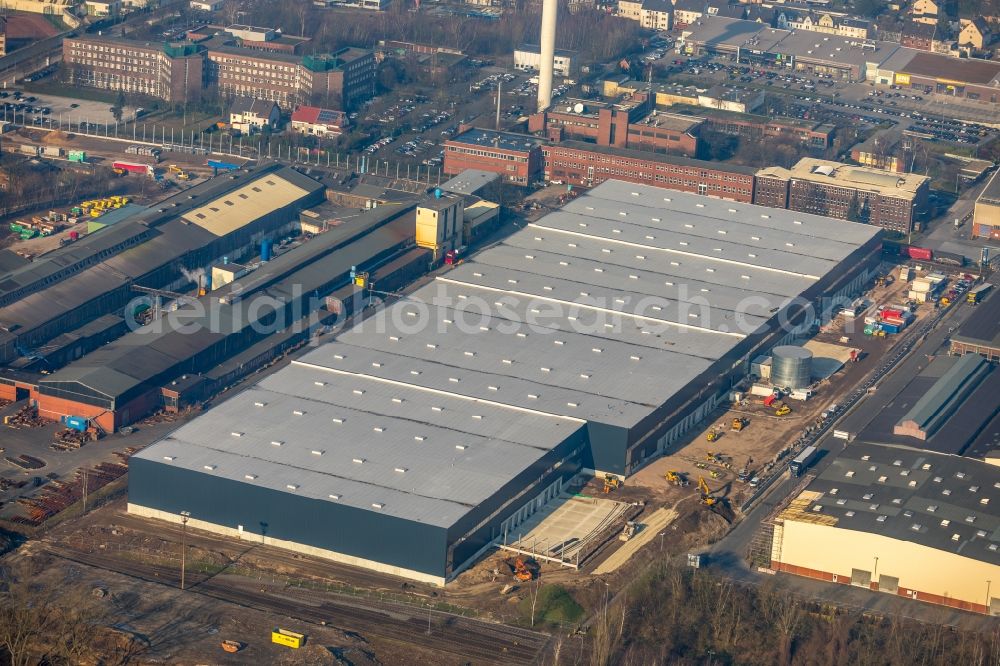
(474, 640)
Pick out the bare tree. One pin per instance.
(534, 598)
(26, 616)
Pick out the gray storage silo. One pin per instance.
(791, 366)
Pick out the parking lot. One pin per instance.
(822, 96)
(28, 108)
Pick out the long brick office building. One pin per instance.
(523, 159)
(178, 72)
(893, 201)
(588, 165)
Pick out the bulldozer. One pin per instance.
(611, 482)
(713, 434)
(783, 410)
(676, 478)
(739, 423)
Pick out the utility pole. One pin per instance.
(184, 521)
(84, 491)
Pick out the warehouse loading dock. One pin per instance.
(565, 530)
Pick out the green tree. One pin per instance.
(868, 9)
(118, 109)
(854, 209)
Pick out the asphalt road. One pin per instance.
(728, 555)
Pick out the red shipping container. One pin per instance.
(769, 400)
(894, 320)
(891, 312)
(920, 253)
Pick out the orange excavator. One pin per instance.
(523, 570)
(232, 646)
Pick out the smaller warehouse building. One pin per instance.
(986, 218)
(980, 333)
(929, 414)
(905, 522)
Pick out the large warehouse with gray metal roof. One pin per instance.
(590, 340)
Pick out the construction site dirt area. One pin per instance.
(400, 621)
(718, 450)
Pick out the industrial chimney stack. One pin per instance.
(550, 8)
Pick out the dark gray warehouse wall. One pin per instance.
(608, 446)
(317, 523)
(481, 525)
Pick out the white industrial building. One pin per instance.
(528, 58)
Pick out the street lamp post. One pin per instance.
(875, 572)
(607, 595)
(184, 521)
(988, 596)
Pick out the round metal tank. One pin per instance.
(791, 366)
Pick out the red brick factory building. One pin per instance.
(630, 124)
(588, 165)
(516, 157)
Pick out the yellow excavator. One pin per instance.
(611, 482)
(783, 410)
(739, 423)
(712, 435)
(706, 493)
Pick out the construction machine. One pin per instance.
(524, 570)
(232, 646)
(783, 410)
(629, 531)
(181, 173)
(676, 478)
(744, 473)
(611, 482)
(521, 571)
(739, 423)
(712, 435)
(706, 493)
